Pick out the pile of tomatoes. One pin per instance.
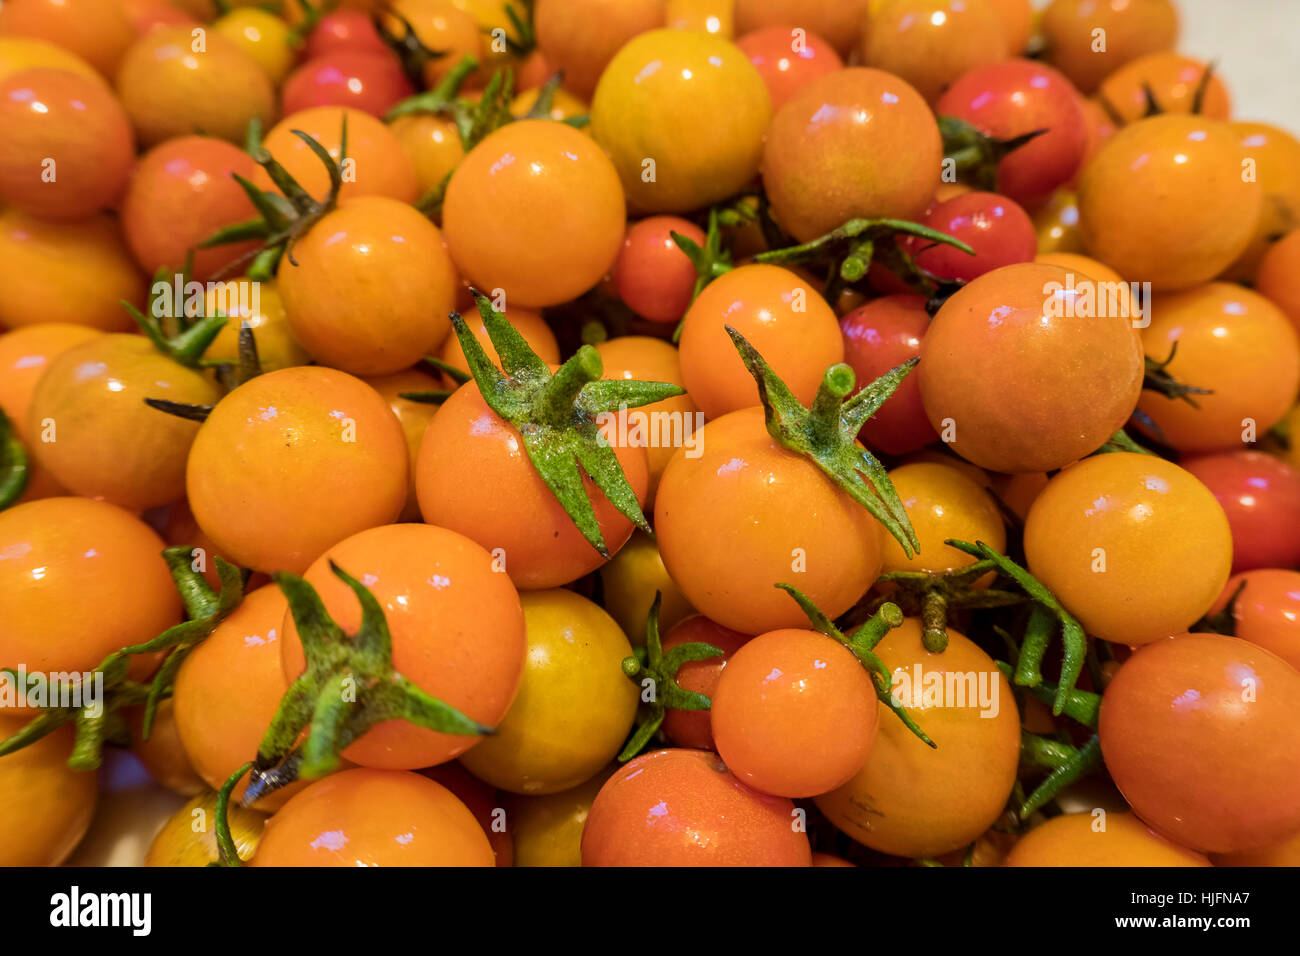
(647, 432)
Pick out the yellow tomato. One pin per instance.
(942, 503)
(45, 807)
(276, 347)
(547, 829)
(707, 16)
(189, 837)
(631, 579)
(263, 36)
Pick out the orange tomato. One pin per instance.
(98, 31)
(414, 418)
(25, 354)
(1276, 276)
(442, 27)
(580, 37)
(1274, 155)
(1099, 839)
(22, 53)
(931, 43)
(1173, 81)
(839, 21)
(527, 322)
(45, 806)
(265, 317)
(483, 801)
(694, 728)
(942, 503)
(431, 143)
(1130, 27)
(163, 754)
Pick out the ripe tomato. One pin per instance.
(173, 83)
(1267, 611)
(457, 631)
(580, 37)
(1189, 734)
(1282, 853)
(693, 728)
(930, 43)
(370, 82)
(147, 14)
(879, 336)
(547, 828)
(781, 315)
(432, 144)
(1275, 275)
(1099, 839)
(1100, 127)
(1230, 340)
(654, 278)
(831, 152)
(1130, 27)
(735, 497)
(45, 806)
(629, 582)
(468, 448)
(163, 754)
(839, 21)
(1006, 359)
(67, 149)
(371, 288)
(505, 198)
(1274, 156)
(98, 31)
(794, 713)
(264, 37)
(563, 105)
(942, 503)
(90, 427)
(1261, 497)
(788, 59)
(189, 837)
(527, 322)
(1172, 80)
(25, 354)
(1008, 99)
(1018, 23)
(376, 164)
(292, 462)
(682, 114)
(685, 808)
(1164, 201)
(370, 817)
(229, 688)
(1000, 232)
(343, 30)
(180, 194)
(414, 417)
(22, 53)
(965, 705)
(483, 801)
(575, 706)
(61, 553)
(1058, 224)
(1098, 537)
(276, 347)
(442, 27)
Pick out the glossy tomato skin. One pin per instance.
(1266, 611)
(1163, 201)
(1098, 537)
(1188, 732)
(504, 200)
(1274, 276)
(967, 779)
(1275, 154)
(271, 469)
(839, 21)
(735, 497)
(343, 30)
(1008, 99)
(439, 25)
(61, 553)
(942, 503)
(547, 829)
(181, 193)
(1099, 839)
(1173, 80)
(684, 808)
(265, 318)
(432, 145)
(371, 82)
(829, 155)
(98, 32)
(1000, 232)
(580, 37)
(468, 447)
(575, 706)
(931, 43)
(189, 837)
(456, 625)
(693, 104)
(371, 288)
(45, 806)
(1005, 361)
(414, 417)
(483, 801)
(1237, 344)
(1261, 497)
(693, 728)
(371, 817)
(794, 714)
(1131, 29)
(879, 336)
(91, 428)
(25, 354)
(629, 582)
(788, 61)
(654, 277)
(782, 316)
(68, 145)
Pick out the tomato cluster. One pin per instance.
(641, 432)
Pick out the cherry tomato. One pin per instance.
(23, 53)
(98, 31)
(1275, 278)
(145, 15)
(1189, 733)
(1266, 611)
(1164, 201)
(1171, 80)
(1282, 853)
(180, 529)
(483, 801)
(457, 632)
(575, 706)
(370, 82)
(414, 417)
(61, 553)
(966, 779)
(189, 837)
(737, 496)
(788, 59)
(629, 582)
(1274, 156)
(264, 37)
(527, 322)
(942, 503)
(685, 808)
(693, 728)
(1099, 839)
(682, 115)
(1131, 28)
(343, 30)
(1000, 232)
(68, 147)
(432, 144)
(293, 462)
(839, 21)
(45, 806)
(563, 105)
(1015, 97)
(782, 316)
(1006, 359)
(879, 336)
(1018, 23)
(654, 278)
(1234, 342)
(1058, 224)
(1098, 536)
(1100, 126)
(163, 754)
(440, 26)
(547, 828)
(265, 317)
(1261, 497)
(831, 153)
(374, 818)
(580, 37)
(25, 354)
(504, 200)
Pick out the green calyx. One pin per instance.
(348, 686)
(182, 338)
(933, 594)
(1157, 379)
(1121, 442)
(227, 851)
(14, 469)
(559, 415)
(656, 674)
(827, 433)
(102, 718)
(1064, 762)
(974, 156)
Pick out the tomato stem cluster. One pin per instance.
(975, 155)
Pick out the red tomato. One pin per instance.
(349, 30)
(788, 59)
(654, 278)
(1261, 497)
(99, 31)
(370, 82)
(1000, 232)
(692, 728)
(1267, 611)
